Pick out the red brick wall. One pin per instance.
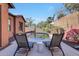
(4, 25)
(19, 19)
(12, 25)
(5, 34)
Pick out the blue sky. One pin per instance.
(38, 11)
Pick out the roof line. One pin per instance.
(11, 5)
(21, 16)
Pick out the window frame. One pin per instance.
(9, 24)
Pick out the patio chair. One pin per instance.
(22, 42)
(55, 42)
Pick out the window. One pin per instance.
(20, 26)
(9, 24)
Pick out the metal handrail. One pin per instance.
(35, 33)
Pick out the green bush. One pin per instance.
(76, 37)
(42, 36)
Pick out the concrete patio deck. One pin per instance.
(69, 51)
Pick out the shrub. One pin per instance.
(73, 35)
(76, 37)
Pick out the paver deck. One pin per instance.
(9, 51)
(39, 51)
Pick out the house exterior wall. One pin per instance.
(0, 25)
(12, 25)
(19, 19)
(4, 25)
(5, 34)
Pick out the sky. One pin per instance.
(37, 11)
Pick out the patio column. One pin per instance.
(4, 25)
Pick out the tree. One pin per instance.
(60, 15)
(40, 24)
(45, 26)
(30, 21)
(26, 24)
(71, 7)
(50, 19)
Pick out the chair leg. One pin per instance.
(16, 51)
(45, 44)
(62, 50)
(51, 52)
(32, 45)
(27, 53)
